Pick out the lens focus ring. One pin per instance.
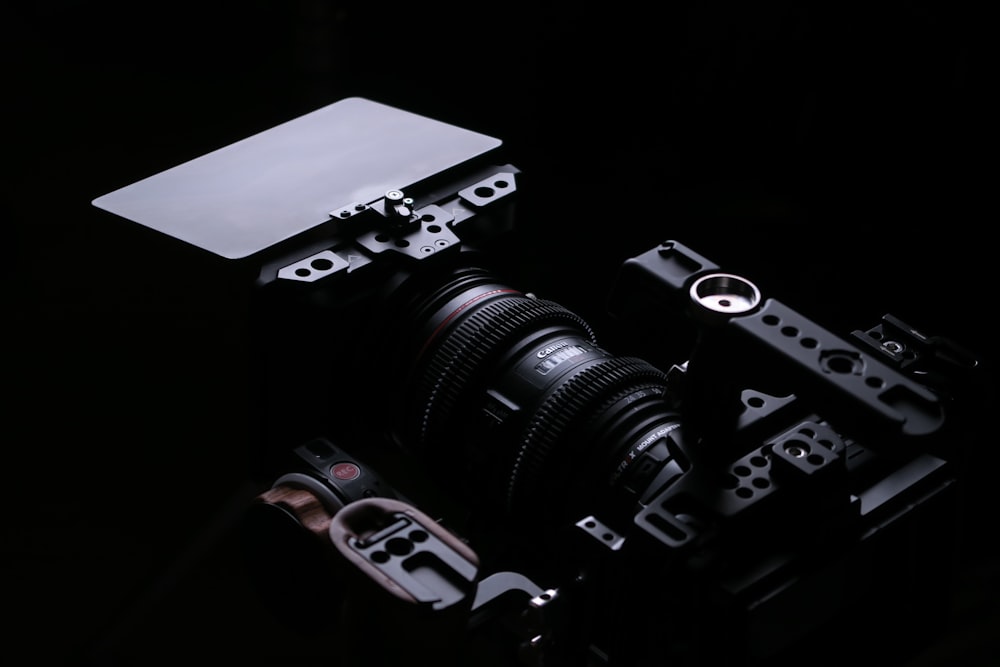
(570, 407)
(469, 350)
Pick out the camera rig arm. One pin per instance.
(744, 337)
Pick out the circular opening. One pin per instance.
(725, 293)
(843, 362)
(399, 546)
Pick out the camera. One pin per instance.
(456, 469)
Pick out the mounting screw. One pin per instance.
(399, 208)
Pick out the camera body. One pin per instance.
(454, 467)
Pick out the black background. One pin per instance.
(840, 155)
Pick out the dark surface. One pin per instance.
(839, 156)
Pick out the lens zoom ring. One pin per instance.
(573, 403)
(473, 344)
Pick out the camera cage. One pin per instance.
(789, 473)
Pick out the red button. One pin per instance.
(345, 471)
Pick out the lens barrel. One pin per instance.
(512, 398)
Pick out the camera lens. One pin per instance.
(511, 397)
